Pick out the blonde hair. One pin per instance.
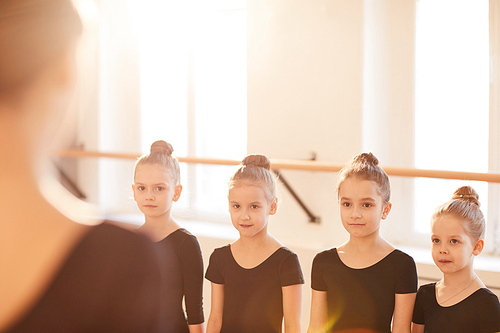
(365, 167)
(465, 206)
(256, 170)
(33, 33)
(161, 153)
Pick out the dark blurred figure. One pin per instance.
(56, 275)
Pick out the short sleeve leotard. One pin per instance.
(109, 282)
(480, 312)
(253, 300)
(182, 278)
(363, 298)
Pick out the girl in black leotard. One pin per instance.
(56, 275)
(256, 281)
(364, 285)
(459, 302)
(156, 187)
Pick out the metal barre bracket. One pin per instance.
(312, 218)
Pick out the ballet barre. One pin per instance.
(281, 164)
(304, 165)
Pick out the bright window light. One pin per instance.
(452, 99)
(193, 88)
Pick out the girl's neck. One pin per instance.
(462, 277)
(251, 251)
(157, 228)
(454, 288)
(261, 241)
(365, 244)
(256, 241)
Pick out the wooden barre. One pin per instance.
(279, 164)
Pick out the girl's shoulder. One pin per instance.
(327, 252)
(484, 298)
(327, 256)
(182, 234)
(134, 262)
(284, 255)
(399, 261)
(397, 254)
(221, 251)
(107, 235)
(427, 289)
(179, 240)
(285, 251)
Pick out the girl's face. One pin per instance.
(250, 209)
(361, 207)
(155, 190)
(452, 248)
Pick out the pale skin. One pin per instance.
(453, 251)
(155, 191)
(250, 210)
(362, 209)
(36, 248)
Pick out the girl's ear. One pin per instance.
(177, 194)
(478, 248)
(133, 190)
(387, 210)
(274, 206)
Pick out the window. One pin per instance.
(452, 105)
(193, 91)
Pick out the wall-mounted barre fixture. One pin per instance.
(307, 165)
(278, 164)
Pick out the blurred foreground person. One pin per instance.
(56, 275)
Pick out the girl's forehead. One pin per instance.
(448, 224)
(358, 187)
(148, 172)
(247, 190)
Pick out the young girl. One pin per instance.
(256, 281)
(156, 187)
(365, 283)
(56, 274)
(459, 302)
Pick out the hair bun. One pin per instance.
(365, 158)
(260, 161)
(466, 193)
(162, 147)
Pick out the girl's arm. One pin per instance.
(319, 312)
(403, 312)
(217, 304)
(292, 302)
(417, 328)
(200, 328)
(192, 272)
